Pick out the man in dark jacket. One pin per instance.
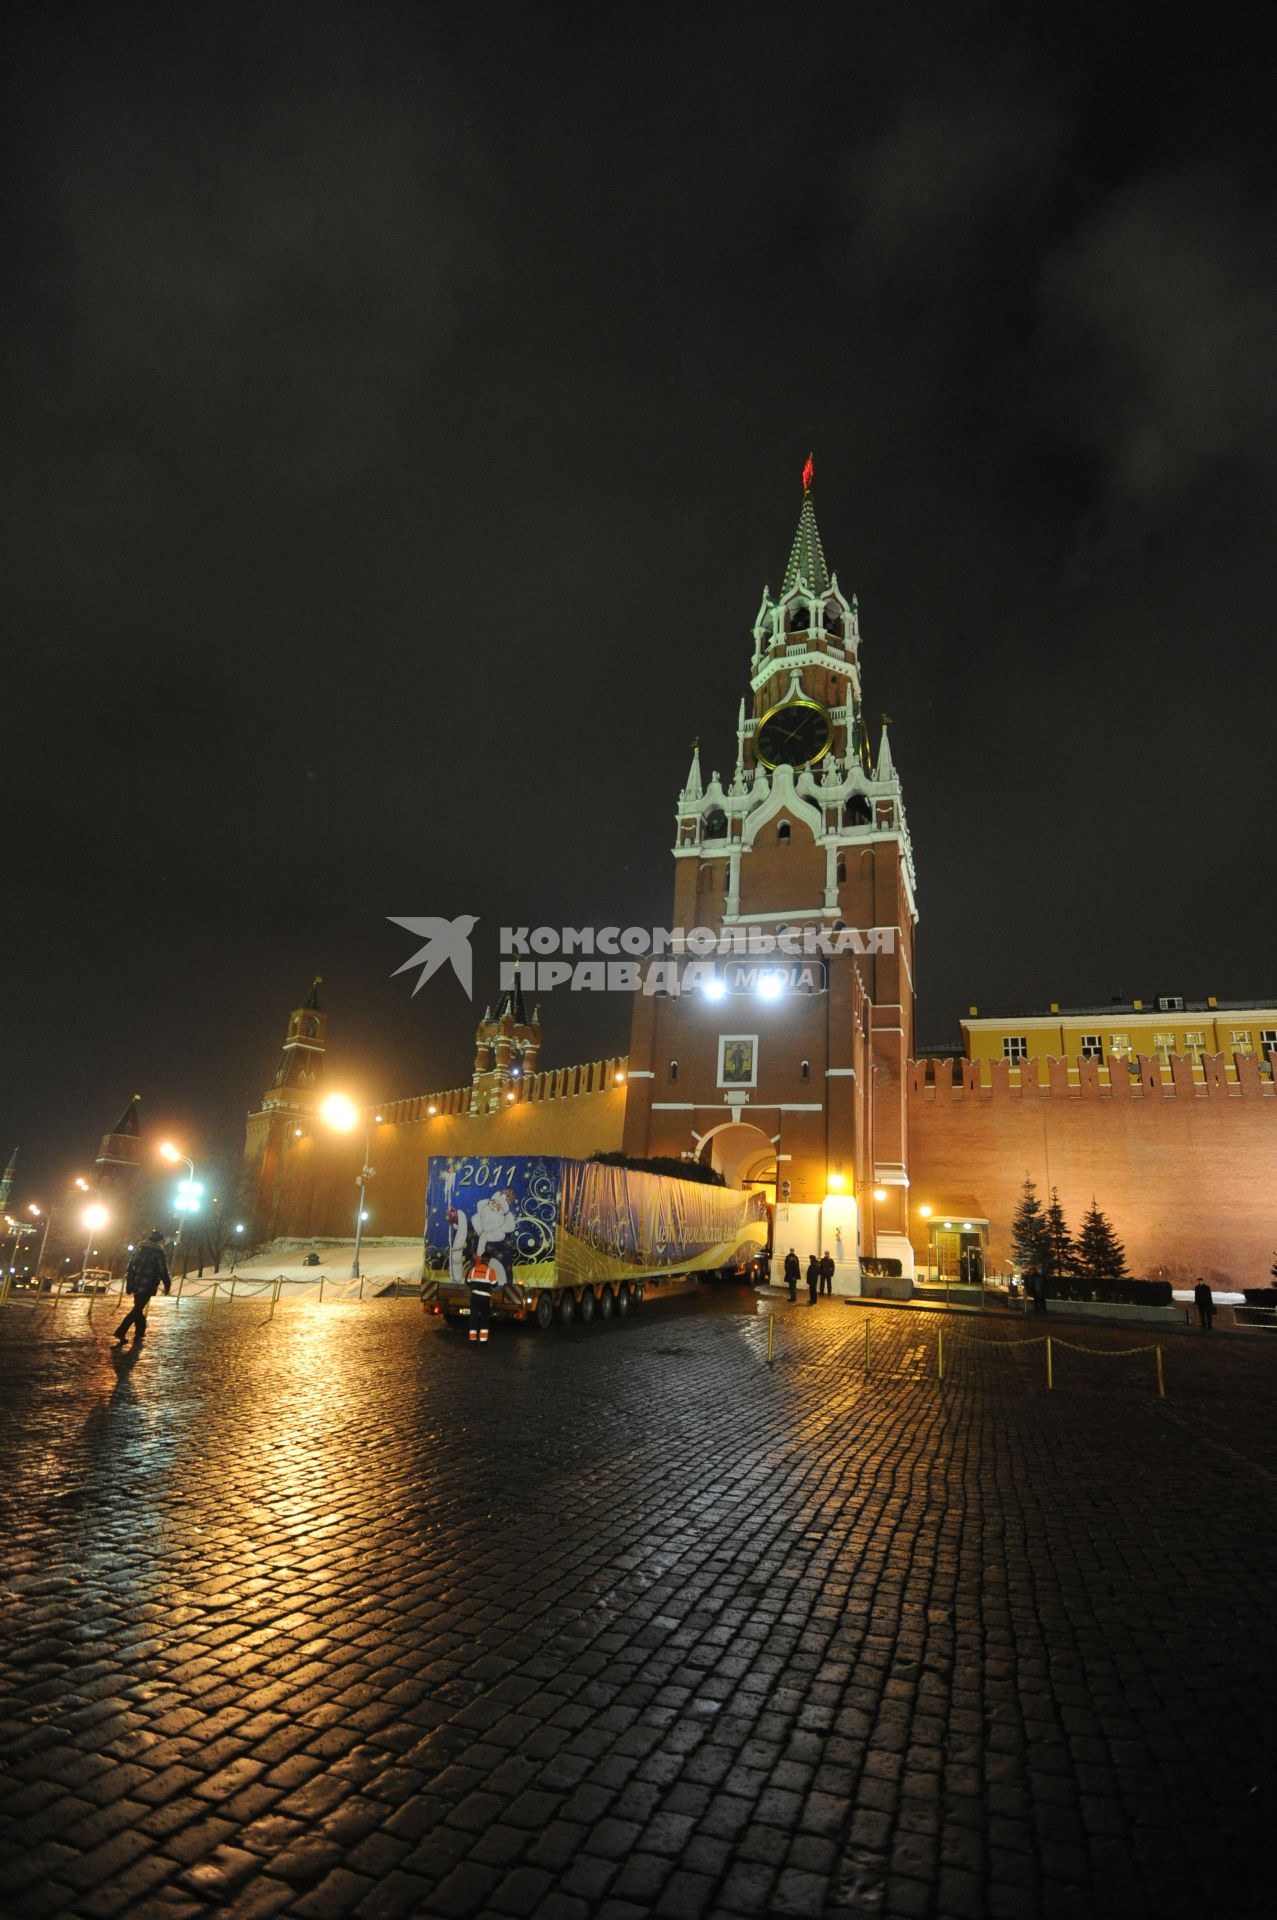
(148, 1272)
(813, 1279)
(827, 1273)
(1205, 1300)
(793, 1273)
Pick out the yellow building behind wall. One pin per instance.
(1151, 1029)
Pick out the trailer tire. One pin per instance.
(567, 1309)
(585, 1309)
(637, 1295)
(607, 1302)
(623, 1299)
(543, 1312)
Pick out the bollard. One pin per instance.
(274, 1300)
(321, 1289)
(866, 1349)
(232, 1286)
(771, 1332)
(1050, 1376)
(181, 1283)
(212, 1297)
(1161, 1384)
(940, 1353)
(361, 1286)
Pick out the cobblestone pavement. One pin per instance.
(334, 1614)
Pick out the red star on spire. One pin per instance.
(808, 471)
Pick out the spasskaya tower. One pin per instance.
(784, 1066)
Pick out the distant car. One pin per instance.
(311, 1260)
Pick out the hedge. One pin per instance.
(1125, 1293)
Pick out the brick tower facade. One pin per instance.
(787, 1070)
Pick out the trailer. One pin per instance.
(574, 1239)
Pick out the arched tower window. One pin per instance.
(799, 619)
(855, 811)
(842, 871)
(782, 833)
(673, 1069)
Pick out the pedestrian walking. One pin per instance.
(793, 1273)
(813, 1279)
(827, 1273)
(147, 1273)
(482, 1279)
(1205, 1303)
(1035, 1287)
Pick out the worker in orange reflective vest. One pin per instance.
(482, 1280)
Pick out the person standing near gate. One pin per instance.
(793, 1273)
(827, 1273)
(813, 1279)
(147, 1273)
(1205, 1301)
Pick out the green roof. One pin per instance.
(806, 556)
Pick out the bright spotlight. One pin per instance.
(340, 1112)
(714, 988)
(770, 986)
(95, 1217)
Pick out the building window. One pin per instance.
(806, 1069)
(673, 1069)
(1240, 1040)
(1091, 1047)
(782, 832)
(1268, 1040)
(1119, 1043)
(1164, 1046)
(1194, 1044)
(1170, 1003)
(842, 871)
(1015, 1047)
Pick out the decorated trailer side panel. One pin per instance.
(571, 1235)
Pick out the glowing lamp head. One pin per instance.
(925, 1212)
(95, 1217)
(169, 1152)
(619, 1079)
(836, 1182)
(340, 1113)
(83, 1185)
(880, 1193)
(34, 1211)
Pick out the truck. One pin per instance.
(569, 1240)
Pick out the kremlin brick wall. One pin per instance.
(315, 1193)
(1185, 1167)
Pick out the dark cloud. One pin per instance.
(1164, 301)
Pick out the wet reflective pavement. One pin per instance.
(334, 1614)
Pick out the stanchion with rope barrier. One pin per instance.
(771, 1335)
(1050, 1342)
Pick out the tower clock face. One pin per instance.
(794, 735)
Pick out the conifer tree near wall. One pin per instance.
(1029, 1247)
(1100, 1254)
(1061, 1257)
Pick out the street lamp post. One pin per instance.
(95, 1218)
(236, 1244)
(343, 1116)
(170, 1153)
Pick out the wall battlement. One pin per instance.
(1206, 1077)
(558, 1083)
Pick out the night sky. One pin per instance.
(405, 407)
